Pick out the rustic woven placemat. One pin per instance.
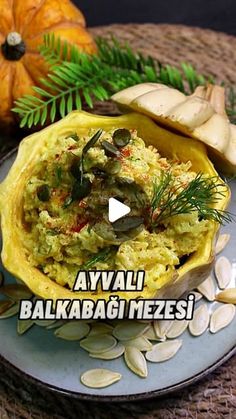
(213, 397)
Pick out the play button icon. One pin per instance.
(117, 210)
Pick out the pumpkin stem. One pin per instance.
(14, 47)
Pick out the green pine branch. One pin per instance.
(76, 77)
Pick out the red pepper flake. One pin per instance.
(78, 227)
(126, 152)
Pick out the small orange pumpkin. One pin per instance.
(22, 26)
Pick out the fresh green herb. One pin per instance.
(58, 173)
(101, 256)
(86, 77)
(200, 194)
(43, 193)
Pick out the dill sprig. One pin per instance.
(200, 195)
(76, 77)
(102, 256)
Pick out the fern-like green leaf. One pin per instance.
(76, 77)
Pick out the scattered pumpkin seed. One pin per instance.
(163, 351)
(150, 334)
(74, 330)
(207, 289)
(98, 344)
(24, 325)
(221, 243)
(56, 324)
(141, 343)
(127, 223)
(113, 353)
(43, 193)
(75, 170)
(10, 312)
(222, 317)
(227, 296)
(129, 329)
(200, 320)
(100, 329)
(16, 292)
(99, 378)
(81, 189)
(161, 327)
(113, 167)
(121, 137)
(223, 271)
(136, 361)
(5, 305)
(110, 149)
(44, 323)
(177, 328)
(198, 296)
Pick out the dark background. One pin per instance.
(215, 14)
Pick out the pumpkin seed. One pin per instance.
(127, 223)
(10, 312)
(207, 288)
(200, 320)
(16, 292)
(56, 324)
(163, 351)
(99, 378)
(44, 323)
(24, 325)
(121, 137)
(81, 189)
(110, 149)
(136, 361)
(99, 172)
(141, 343)
(43, 193)
(197, 295)
(223, 271)
(74, 330)
(92, 141)
(150, 334)
(227, 296)
(161, 327)
(222, 317)
(129, 329)
(5, 305)
(221, 243)
(177, 328)
(100, 329)
(113, 353)
(75, 170)
(98, 344)
(113, 167)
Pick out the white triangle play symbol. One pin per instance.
(117, 210)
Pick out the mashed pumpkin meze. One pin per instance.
(65, 234)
